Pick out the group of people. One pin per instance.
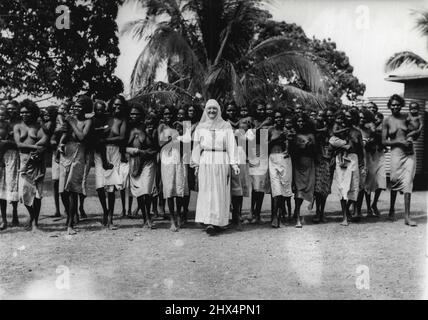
(162, 153)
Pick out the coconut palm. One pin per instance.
(407, 57)
(210, 47)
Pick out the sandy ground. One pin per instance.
(315, 262)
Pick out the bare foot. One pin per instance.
(112, 227)
(57, 215)
(344, 222)
(298, 223)
(15, 223)
(391, 216)
(275, 222)
(409, 222)
(375, 211)
(123, 213)
(173, 228)
(3, 226)
(83, 214)
(71, 231)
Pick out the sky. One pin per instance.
(369, 32)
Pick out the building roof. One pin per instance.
(407, 72)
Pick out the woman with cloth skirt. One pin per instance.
(280, 168)
(173, 172)
(142, 150)
(303, 155)
(12, 161)
(346, 178)
(116, 178)
(72, 163)
(259, 168)
(31, 141)
(403, 157)
(240, 184)
(213, 155)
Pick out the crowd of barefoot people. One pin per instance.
(224, 153)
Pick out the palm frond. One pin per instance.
(421, 21)
(284, 63)
(165, 44)
(404, 58)
(275, 45)
(135, 28)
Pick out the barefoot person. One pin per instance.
(142, 148)
(73, 160)
(347, 176)
(259, 169)
(174, 179)
(8, 166)
(303, 155)
(31, 141)
(113, 179)
(214, 154)
(12, 161)
(403, 158)
(280, 168)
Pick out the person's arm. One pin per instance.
(43, 138)
(19, 144)
(121, 137)
(385, 140)
(417, 132)
(80, 133)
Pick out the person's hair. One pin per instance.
(379, 115)
(308, 126)
(86, 102)
(373, 104)
(3, 108)
(138, 106)
(122, 100)
(100, 102)
(14, 103)
(171, 109)
(150, 118)
(398, 98)
(414, 105)
(198, 111)
(32, 107)
(355, 116)
(368, 115)
(52, 110)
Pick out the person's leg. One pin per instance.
(236, 211)
(345, 208)
(318, 197)
(65, 197)
(102, 150)
(123, 198)
(37, 204)
(140, 201)
(102, 198)
(15, 220)
(83, 214)
(155, 206)
(375, 201)
(288, 200)
(174, 227)
(407, 220)
(147, 203)
(186, 201)
(56, 198)
(368, 202)
(162, 212)
(391, 215)
(275, 211)
(111, 199)
(259, 196)
(130, 201)
(298, 203)
(30, 223)
(322, 208)
(359, 205)
(178, 214)
(3, 208)
(253, 204)
(73, 198)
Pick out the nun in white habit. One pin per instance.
(213, 156)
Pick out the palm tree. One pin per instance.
(407, 58)
(210, 47)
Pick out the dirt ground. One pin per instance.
(315, 262)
